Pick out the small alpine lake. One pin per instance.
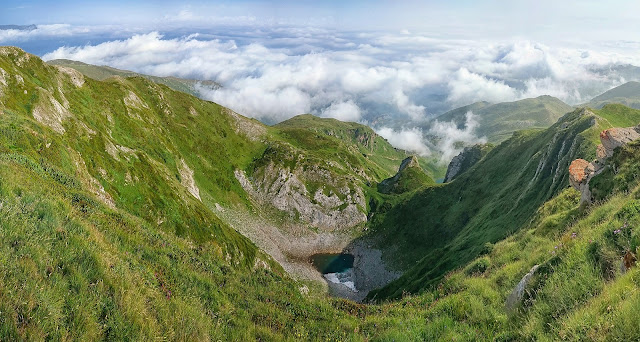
(336, 268)
(332, 263)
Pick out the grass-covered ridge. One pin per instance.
(451, 224)
(101, 73)
(627, 94)
(102, 235)
(498, 121)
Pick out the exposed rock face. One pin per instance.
(324, 209)
(515, 297)
(49, 111)
(74, 75)
(409, 177)
(615, 137)
(250, 128)
(465, 160)
(187, 180)
(89, 181)
(3, 81)
(407, 162)
(133, 101)
(581, 171)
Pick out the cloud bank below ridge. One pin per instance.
(385, 80)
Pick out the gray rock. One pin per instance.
(284, 190)
(515, 297)
(465, 160)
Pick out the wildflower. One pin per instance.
(617, 231)
(574, 235)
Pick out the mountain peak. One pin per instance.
(411, 161)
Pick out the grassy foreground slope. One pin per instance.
(450, 224)
(579, 292)
(145, 260)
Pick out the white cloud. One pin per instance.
(343, 111)
(42, 32)
(450, 136)
(466, 87)
(410, 139)
(388, 80)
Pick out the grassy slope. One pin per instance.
(75, 269)
(101, 73)
(378, 157)
(499, 121)
(162, 261)
(578, 293)
(449, 225)
(627, 94)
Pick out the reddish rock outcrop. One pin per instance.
(578, 171)
(615, 137)
(581, 171)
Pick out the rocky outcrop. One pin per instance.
(465, 160)
(409, 177)
(252, 129)
(582, 171)
(390, 182)
(615, 137)
(187, 180)
(332, 207)
(50, 112)
(515, 297)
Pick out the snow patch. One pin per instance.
(345, 278)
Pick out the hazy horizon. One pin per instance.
(390, 65)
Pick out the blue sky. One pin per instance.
(541, 20)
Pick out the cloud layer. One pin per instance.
(386, 80)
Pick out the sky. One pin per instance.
(393, 65)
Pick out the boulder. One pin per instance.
(615, 137)
(515, 297)
(581, 171)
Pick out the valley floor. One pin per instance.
(293, 245)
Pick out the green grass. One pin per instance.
(500, 195)
(101, 73)
(498, 121)
(161, 265)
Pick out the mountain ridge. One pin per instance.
(101, 73)
(115, 199)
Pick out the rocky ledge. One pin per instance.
(465, 160)
(582, 171)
